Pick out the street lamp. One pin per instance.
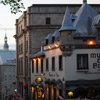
(15, 90)
(70, 94)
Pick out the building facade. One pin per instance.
(7, 71)
(31, 29)
(69, 60)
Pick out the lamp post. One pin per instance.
(70, 94)
(15, 90)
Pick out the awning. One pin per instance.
(80, 87)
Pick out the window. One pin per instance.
(98, 37)
(26, 45)
(41, 65)
(82, 61)
(60, 63)
(46, 41)
(26, 69)
(32, 66)
(53, 63)
(22, 65)
(36, 66)
(47, 64)
(48, 20)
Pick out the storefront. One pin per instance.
(83, 88)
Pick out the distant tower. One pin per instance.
(84, 1)
(6, 46)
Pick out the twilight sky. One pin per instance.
(7, 20)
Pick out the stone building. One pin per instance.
(7, 71)
(31, 29)
(69, 61)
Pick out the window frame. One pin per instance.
(37, 66)
(32, 66)
(80, 61)
(98, 34)
(60, 63)
(48, 20)
(41, 65)
(53, 63)
(47, 64)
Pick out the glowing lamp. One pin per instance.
(91, 42)
(50, 47)
(15, 90)
(39, 59)
(43, 96)
(39, 80)
(70, 93)
(56, 45)
(34, 59)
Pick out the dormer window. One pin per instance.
(48, 20)
(98, 34)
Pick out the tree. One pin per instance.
(15, 5)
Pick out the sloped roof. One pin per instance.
(67, 22)
(82, 15)
(6, 56)
(49, 36)
(96, 20)
(56, 33)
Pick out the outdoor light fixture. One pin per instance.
(15, 90)
(70, 94)
(91, 42)
(49, 47)
(39, 59)
(57, 45)
(34, 59)
(39, 80)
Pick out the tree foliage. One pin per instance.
(15, 5)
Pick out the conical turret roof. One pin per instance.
(67, 22)
(82, 16)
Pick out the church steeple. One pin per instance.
(84, 1)
(6, 46)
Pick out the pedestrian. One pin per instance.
(79, 98)
(61, 97)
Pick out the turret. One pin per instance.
(67, 30)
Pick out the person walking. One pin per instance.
(60, 97)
